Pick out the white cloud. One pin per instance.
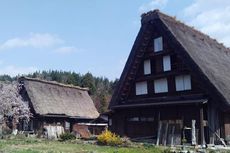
(15, 70)
(153, 4)
(66, 50)
(211, 17)
(39, 40)
(34, 40)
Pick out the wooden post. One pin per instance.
(211, 125)
(166, 133)
(193, 132)
(159, 129)
(202, 127)
(172, 136)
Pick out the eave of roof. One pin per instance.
(65, 116)
(166, 103)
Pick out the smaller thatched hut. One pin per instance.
(55, 104)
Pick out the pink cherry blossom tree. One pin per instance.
(12, 105)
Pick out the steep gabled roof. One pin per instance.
(52, 98)
(206, 56)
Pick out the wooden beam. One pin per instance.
(172, 136)
(194, 132)
(211, 125)
(159, 129)
(166, 134)
(202, 127)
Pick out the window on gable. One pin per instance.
(183, 82)
(161, 85)
(158, 44)
(147, 67)
(167, 63)
(141, 88)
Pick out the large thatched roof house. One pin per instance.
(175, 85)
(56, 104)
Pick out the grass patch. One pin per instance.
(33, 145)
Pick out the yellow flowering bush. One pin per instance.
(109, 138)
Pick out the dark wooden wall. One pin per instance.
(122, 126)
(178, 67)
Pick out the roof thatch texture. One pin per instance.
(211, 57)
(50, 98)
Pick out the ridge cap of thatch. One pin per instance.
(157, 14)
(53, 83)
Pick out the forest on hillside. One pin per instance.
(100, 88)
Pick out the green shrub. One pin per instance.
(212, 151)
(168, 150)
(20, 136)
(109, 138)
(67, 136)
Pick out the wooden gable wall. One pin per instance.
(178, 67)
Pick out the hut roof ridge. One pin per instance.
(54, 83)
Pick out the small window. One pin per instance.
(67, 125)
(161, 85)
(141, 88)
(167, 63)
(147, 67)
(158, 44)
(183, 82)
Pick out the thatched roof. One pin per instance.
(211, 57)
(204, 55)
(52, 98)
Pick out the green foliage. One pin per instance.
(89, 81)
(104, 103)
(109, 138)
(77, 146)
(168, 150)
(67, 136)
(6, 78)
(184, 140)
(212, 151)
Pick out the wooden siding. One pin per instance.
(157, 72)
(169, 114)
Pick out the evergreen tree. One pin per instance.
(88, 81)
(6, 78)
(103, 102)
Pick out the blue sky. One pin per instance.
(89, 35)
